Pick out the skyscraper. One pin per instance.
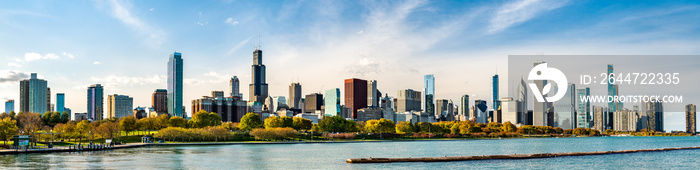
(441, 109)
(494, 88)
(49, 107)
(690, 121)
(332, 102)
(9, 106)
(294, 95)
(612, 89)
(372, 98)
(583, 108)
(33, 95)
(429, 90)
(159, 100)
(355, 95)
(541, 110)
(526, 119)
(600, 118)
(408, 100)
(313, 102)
(119, 106)
(95, 102)
(258, 88)
(175, 70)
(235, 87)
(464, 102)
(60, 102)
(654, 112)
(480, 112)
(565, 109)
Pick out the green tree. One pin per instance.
(82, 128)
(404, 127)
(380, 126)
(46, 118)
(336, 124)
(273, 122)
(4, 115)
(203, 119)
(508, 127)
(177, 121)
(250, 121)
(13, 115)
(8, 128)
(65, 117)
(161, 121)
(128, 124)
(301, 123)
(55, 117)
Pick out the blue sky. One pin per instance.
(124, 45)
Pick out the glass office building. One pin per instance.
(175, 105)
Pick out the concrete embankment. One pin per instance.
(511, 156)
(67, 149)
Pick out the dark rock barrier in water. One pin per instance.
(511, 156)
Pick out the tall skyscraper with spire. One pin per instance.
(175, 105)
(258, 88)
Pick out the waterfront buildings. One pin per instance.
(690, 120)
(541, 110)
(235, 88)
(408, 100)
(494, 90)
(258, 87)
(429, 90)
(313, 103)
(583, 110)
(600, 118)
(355, 95)
(9, 106)
(280, 102)
(294, 95)
(119, 106)
(480, 111)
(95, 102)
(565, 109)
(521, 96)
(332, 102)
(369, 113)
(654, 116)
(464, 103)
(231, 109)
(511, 110)
(159, 100)
(625, 120)
(34, 95)
(60, 102)
(175, 86)
(372, 98)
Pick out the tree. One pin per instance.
(82, 128)
(203, 119)
(250, 121)
(4, 115)
(108, 129)
(273, 122)
(30, 123)
(177, 121)
(299, 123)
(230, 126)
(161, 121)
(337, 124)
(8, 128)
(145, 124)
(55, 117)
(380, 126)
(65, 117)
(404, 127)
(46, 118)
(128, 124)
(508, 127)
(13, 114)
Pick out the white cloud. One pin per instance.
(13, 64)
(231, 21)
(201, 23)
(520, 11)
(12, 76)
(115, 80)
(69, 55)
(96, 62)
(32, 56)
(151, 9)
(239, 45)
(122, 11)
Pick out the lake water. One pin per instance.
(333, 155)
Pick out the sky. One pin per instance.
(124, 45)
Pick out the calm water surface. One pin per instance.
(333, 155)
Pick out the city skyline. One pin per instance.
(376, 50)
